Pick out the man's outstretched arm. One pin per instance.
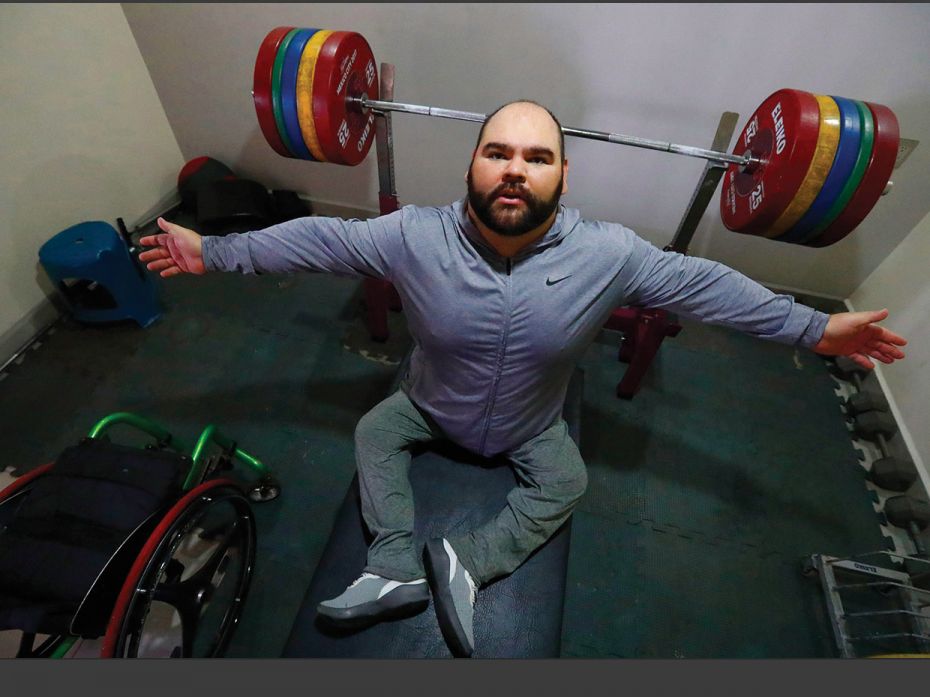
(714, 293)
(354, 248)
(858, 336)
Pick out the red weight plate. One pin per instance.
(874, 181)
(782, 133)
(261, 89)
(345, 67)
(828, 139)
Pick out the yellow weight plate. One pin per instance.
(827, 140)
(305, 92)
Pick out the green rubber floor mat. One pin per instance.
(639, 592)
(705, 492)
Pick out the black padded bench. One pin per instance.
(518, 616)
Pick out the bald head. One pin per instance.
(543, 120)
(517, 172)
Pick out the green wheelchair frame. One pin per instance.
(265, 489)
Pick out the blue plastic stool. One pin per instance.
(94, 253)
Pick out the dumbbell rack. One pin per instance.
(643, 328)
(879, 602)
(873, 607)
(906, 540)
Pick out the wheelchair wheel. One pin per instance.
(185, 593)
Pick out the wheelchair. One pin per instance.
(146, 549)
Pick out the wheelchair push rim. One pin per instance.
(157, 583)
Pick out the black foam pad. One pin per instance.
(518, 616)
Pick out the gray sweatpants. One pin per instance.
(551, 478)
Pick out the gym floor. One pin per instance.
(706, 490)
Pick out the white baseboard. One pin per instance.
(334, 209)
(800, 291)
(24, 331)
(906, 437)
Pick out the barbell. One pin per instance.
(806, 168)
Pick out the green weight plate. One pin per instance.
(261, 88)
(276, 90)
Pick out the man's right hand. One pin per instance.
(176, 250)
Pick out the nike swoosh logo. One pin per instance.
(558, 280)
(391, 585)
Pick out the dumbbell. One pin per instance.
(862, 400)
(913, 515)
(888, 472)
(850, 370)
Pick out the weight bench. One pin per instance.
(518, 616)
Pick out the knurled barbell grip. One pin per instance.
(619, 139)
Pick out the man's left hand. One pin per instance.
(858, 336)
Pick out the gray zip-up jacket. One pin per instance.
(497, 339)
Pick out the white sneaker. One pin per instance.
(371, 598)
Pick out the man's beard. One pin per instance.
(512, 221)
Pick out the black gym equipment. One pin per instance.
(889, 619)
(871, 420)
(518, 616)
(910, 514)
(865, 401)
(225, 206)
(287, 205)
(893, 474)
(872, 424)
(890, 473)
(223, 203)
(197, 173)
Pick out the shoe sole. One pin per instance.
(437, 567)
(402, 602)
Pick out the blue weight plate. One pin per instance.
(843, 162)
(289, 92)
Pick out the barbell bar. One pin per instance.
(804, 170)
(380, 106)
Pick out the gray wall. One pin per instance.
(84, 137)
(659, 71)
(902, 285)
